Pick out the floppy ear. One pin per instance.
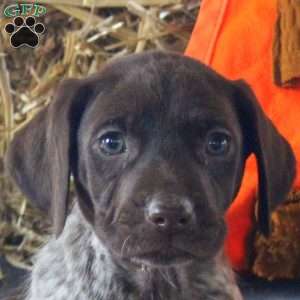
(275, 158)
(40, 153)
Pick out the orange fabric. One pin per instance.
(235, 38)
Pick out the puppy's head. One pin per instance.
(156, 143)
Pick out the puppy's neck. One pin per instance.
(160, 283)
(78, 266)
(136, 281)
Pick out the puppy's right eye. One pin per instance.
(218, 143)
(112, 143)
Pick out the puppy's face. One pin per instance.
(157, 144)
(160, 156)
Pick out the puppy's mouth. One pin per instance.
(162, 258)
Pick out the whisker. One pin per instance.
(124, 244)
(167, 278)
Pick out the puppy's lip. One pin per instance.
(168, 257)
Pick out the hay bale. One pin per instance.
(80, 36)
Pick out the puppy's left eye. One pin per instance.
(218, 143)
(112, 143)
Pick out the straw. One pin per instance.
(80, 36)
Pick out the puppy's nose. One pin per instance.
(168, 217)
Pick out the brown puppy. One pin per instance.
(157, 144)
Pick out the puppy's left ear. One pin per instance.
(40, 155)
(274, 155)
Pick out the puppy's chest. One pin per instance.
(159, 284)
(82, 275)
(78, 266)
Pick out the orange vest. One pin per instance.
(235, 37)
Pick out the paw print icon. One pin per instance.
(24, 32)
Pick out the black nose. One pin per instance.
(169, 216)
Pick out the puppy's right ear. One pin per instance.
(40, 153)
(275, 158)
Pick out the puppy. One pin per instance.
(156, 144)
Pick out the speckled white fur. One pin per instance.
(77, 266)
(74, 266)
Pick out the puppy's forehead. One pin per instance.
(169, 86)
